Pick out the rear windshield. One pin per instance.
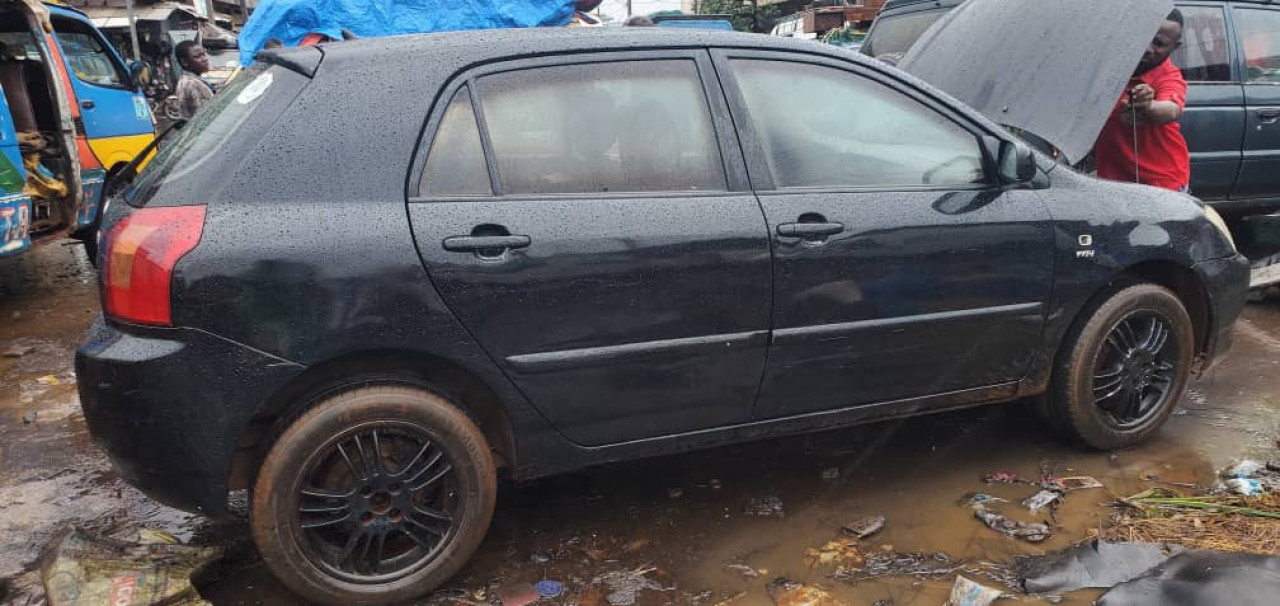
(220, 134)
(894, 34)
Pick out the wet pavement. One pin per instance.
(673, 530)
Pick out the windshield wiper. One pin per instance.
(115, 180)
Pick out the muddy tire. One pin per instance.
(373, 496)
(1123, 368)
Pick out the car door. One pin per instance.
(898, 271)
(109, 105)
(1214, 122)
(1258, 30)
(612, 259)
(15, 204)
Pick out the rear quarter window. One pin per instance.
(206, 152)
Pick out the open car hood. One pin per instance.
(1055, 70)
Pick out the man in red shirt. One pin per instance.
(1142, 141)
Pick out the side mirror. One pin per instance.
(140, 73)
(1017, 163)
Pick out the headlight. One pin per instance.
(1216, 220)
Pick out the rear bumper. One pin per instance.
(1227, 283)
(170, 405)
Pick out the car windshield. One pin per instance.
(895, 34)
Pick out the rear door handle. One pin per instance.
(486, 243)
(88, 104)
(809, 230)
(1269, 116)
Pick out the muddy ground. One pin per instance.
(682, 519)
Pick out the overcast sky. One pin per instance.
(618, 8)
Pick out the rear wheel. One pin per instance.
(1123, 368)
(374, 496)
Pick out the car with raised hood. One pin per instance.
(364, 286)
(1231, 60)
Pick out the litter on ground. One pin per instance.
(865, 527)
(969, 593)
(790, 593)
(747, 571)
(1041, 500)
(977, 499)
(842, 551)
(1001, 477)
(84, 569)
(768, 507)
(1032, 533)
(879, 564)
(1072, 483)
(625, 585)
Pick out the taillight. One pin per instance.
(140, 254)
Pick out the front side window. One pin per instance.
(88, 55)
(635, 126)
(1204, 56)
(1260, 35)
(825, 127)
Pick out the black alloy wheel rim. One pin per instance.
(377, 503)
(1135, 371)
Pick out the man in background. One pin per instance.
(193, 92)
(1142, 141)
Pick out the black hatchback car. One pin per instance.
(362, 283)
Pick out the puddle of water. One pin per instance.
(51, 474)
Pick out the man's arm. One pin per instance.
(1151, 111)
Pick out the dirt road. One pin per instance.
(682, 520)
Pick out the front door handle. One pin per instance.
(1269, 115)
(489, 245)
(809, 230)
(88, 104)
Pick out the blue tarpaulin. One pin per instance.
(291, 20)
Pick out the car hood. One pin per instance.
(1055, 70)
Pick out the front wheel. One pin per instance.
(373, 496)
(1123, 368)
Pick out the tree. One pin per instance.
(747, 15)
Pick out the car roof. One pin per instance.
(892, 5)
(64, 9)
(483, 45)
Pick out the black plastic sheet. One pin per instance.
(1194, 578)
(1098, 565)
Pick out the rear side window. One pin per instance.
(455, 164)
(1204, 55)
(825, 127)
(635, 126)
(87, 54)
(1260, 35)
